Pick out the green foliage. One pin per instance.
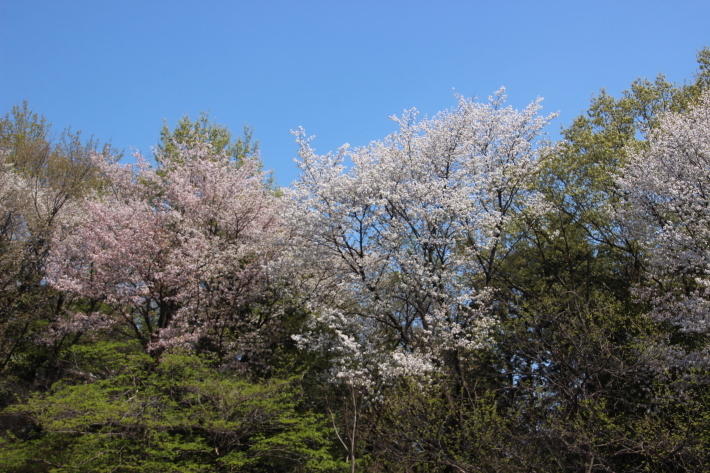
(123, 411)
(578, 175)
(580, 357)
(188, 133)
(61, 165)
(203, 130)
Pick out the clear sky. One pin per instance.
(116, 69)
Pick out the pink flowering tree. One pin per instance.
(668, 190)
(177, 255)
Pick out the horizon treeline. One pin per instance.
(463, 295)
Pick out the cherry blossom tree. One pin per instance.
(668, 190)
(174, 255)
(397, 249)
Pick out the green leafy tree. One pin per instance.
(580, 356)
(122, 411)
(188, 133)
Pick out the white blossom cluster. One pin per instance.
(668, 192)
(396, 250)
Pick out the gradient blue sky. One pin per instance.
(116, 68)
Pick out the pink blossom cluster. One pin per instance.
(172, 254)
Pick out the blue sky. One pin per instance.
(116, 69)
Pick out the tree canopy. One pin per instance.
(463, 295)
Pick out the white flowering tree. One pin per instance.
(398, 248)
(668, 189)
(171, 256)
